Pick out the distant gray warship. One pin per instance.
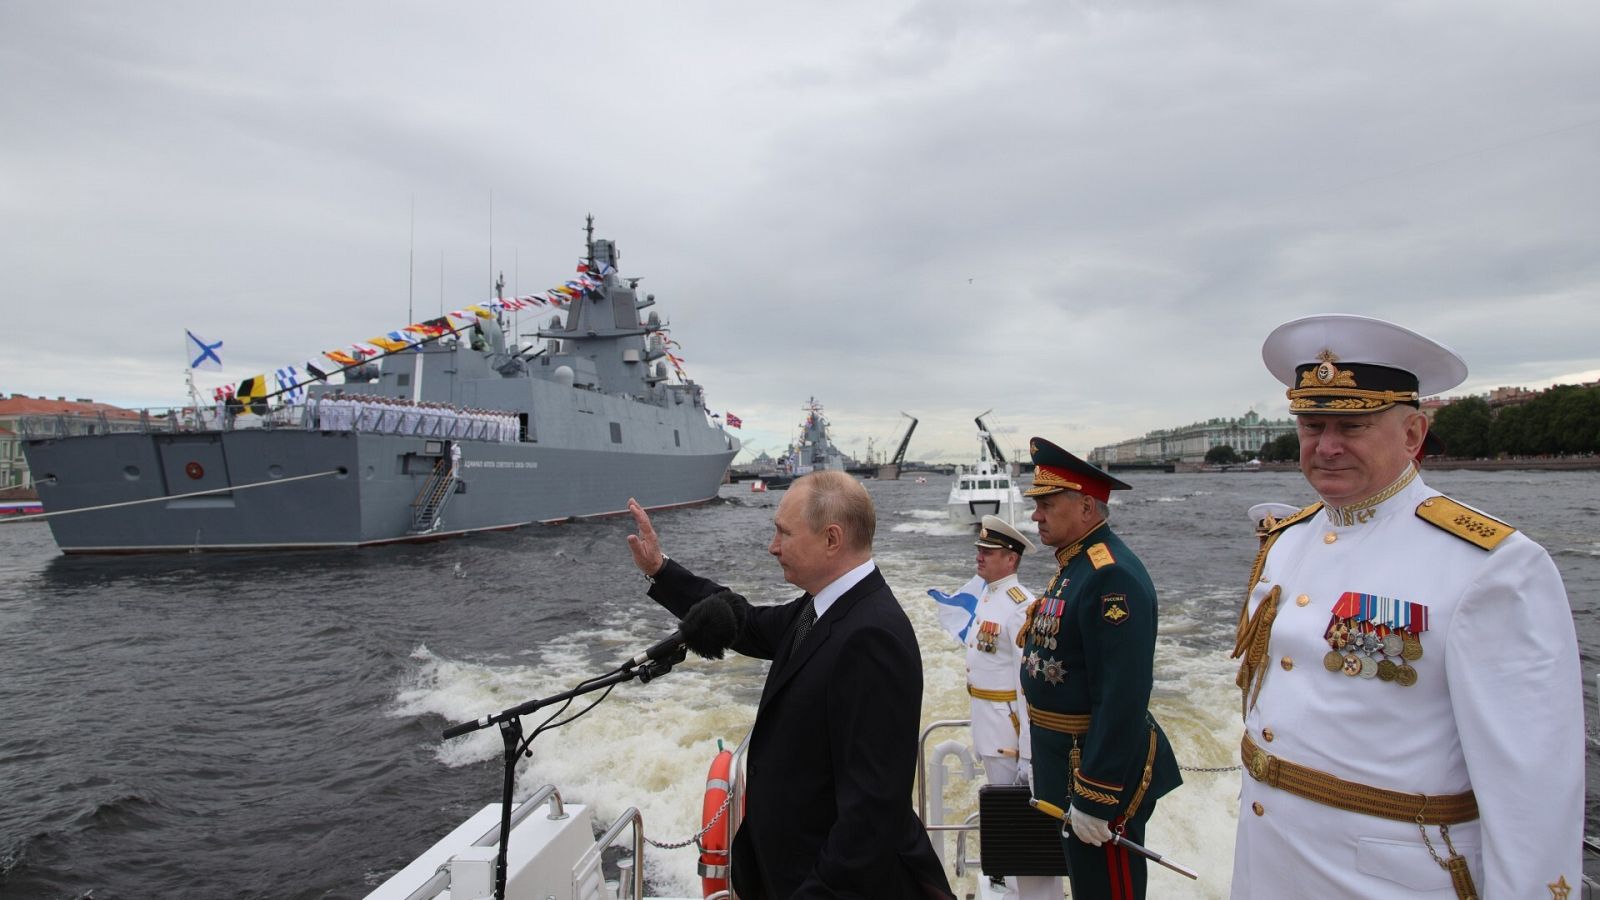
(571, 429)
(812, 451)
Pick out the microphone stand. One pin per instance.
(510, 722)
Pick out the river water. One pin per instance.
(269, 726)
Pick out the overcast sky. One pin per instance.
(1085, 216)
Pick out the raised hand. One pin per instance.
(645, 546)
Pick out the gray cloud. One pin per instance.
(1084, 216)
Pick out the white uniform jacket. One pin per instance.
(1496, 707)
(994, 663)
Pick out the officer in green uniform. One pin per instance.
(1087, 655)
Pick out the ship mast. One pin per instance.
(500, 294)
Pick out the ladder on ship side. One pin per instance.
(429, 505)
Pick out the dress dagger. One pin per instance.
(1050, 809)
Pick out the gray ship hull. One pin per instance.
(570, 430)
(282, 489)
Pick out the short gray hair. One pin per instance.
(837, 498)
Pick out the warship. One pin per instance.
(812, 451)
(570, 428)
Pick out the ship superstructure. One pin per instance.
(570, 428)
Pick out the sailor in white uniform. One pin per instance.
(409, 418)
(367, 414)
(1411, 690)
(994, 667)
(340, 412)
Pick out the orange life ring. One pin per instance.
(715, 842)
(194, 470)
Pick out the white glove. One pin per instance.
(1024, 771)
(1090, 830)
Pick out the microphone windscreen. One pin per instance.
(710, 626)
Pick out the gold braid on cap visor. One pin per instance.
(1043, 477)
(1352, 400)
(1339, 386)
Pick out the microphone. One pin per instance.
(671, 645)
(708, 628)
(713, 624)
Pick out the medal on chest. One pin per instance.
(1049, 668)
(1047, 621)
(1375, 637)
(988, 632)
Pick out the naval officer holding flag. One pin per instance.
(986, 615)
(994, 666)
(999, 719)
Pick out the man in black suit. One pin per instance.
(833, 750)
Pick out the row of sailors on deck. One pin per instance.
(391, 415)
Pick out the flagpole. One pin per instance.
(411, 262)
(188, 374)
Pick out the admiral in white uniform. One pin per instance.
(1411, 689)
(994, 667)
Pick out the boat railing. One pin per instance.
(433, 887)
(404, 421)
(62, 425)
(558, 810)
(733, 809)
(587, 882)
(587, 873)
(964, 830)
(736, 804)
(938, 827)
(172, 420)
(922, 759)
(440, 880)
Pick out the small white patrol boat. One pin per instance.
(984, 489)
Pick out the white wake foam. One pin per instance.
(649, 746)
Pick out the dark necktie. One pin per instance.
(808, 617)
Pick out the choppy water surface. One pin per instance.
(268, 726)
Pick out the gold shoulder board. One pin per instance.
(1017, 595)
(1296, 518)
(1468, 524)
(1100, 555)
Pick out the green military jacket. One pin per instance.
(1087, 656)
